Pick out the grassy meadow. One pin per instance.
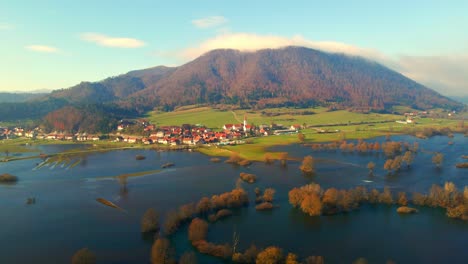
(215, 119)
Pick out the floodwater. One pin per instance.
(66, 216)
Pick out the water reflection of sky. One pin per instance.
(66, 216)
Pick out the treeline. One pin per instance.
(314, 201)
(89, 118)
(206, 206)
(197, 235)
(32, 110)
(427, 132)
(389, 148)
(214, 208)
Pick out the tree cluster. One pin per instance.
(233, 199)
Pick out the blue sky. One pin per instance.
(56, 44)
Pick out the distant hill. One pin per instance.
(462, 99)
(291, 76)
(18, 97)
(271, 77)
(113, 88)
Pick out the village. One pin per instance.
(143, 132)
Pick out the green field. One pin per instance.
(215, 119)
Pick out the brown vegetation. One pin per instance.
(220, 251)
(314, 260)
(264, 206)
(140, 157)
(270, 255)
(268, 195)
(437, 159)
(247, 177)
(301, 137)
(188, 258)
(268, 158)
(307, 166)
(223, 213)
(244, 162)
(162, 252)
(8, 178)
(198, 230)
(248, 256)
(406, 210)
(150, 221)
(402, 200)
(283, 157)
(234, 158)
(371, 167)
(84, 256)
(463, 165)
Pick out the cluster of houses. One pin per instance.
(37, 133)
(198, 134)
(168, 135)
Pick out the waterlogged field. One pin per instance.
(66, 216)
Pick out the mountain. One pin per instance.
(113, 88)
(294, 75)
(291, 76)
(18, 97)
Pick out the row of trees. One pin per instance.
(264, 201)
(390, 149)
(233, 199)
(197, 235)
(313, 200)
(394, 165)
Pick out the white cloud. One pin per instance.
(42, 48)
(253, 42)
(447, 74)
(6, 26)
(208, 22)
(114, 42)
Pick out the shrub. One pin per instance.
(312, 205)
(8, 178)
(198, 229)
(204, 205)
(84, 256)
(314, 260)
(271, 255)
(221, 251)
(406, 210)
(150, 221)
(219, 215)
(162, 252)
(264, 206)
(188, 258)
(172, 222)
(234, 158)
(247, 177)
(268, 195)
(140, 157)
(307, 166)
(244, 162)
(463, 165)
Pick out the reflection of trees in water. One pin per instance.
(123, 192)
(84, 160)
